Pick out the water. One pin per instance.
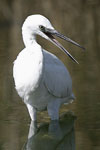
(82, 133)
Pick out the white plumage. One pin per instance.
(41, 79)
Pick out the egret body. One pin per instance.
(41, 79)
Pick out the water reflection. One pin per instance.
(55, 135)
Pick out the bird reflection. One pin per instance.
(53, 136)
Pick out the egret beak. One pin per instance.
(51, 33)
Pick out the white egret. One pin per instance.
(41, 79)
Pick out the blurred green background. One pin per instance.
(79, 20)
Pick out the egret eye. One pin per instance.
(42, 28)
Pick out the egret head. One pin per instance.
(40, 25)
(36, 24)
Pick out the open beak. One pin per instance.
(51, 33)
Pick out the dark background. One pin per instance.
(79, 20)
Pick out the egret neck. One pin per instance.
(29, 37)
(34, 58)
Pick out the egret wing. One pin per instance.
(56, 76)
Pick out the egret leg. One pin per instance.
(32, 129)
(53, 109)
(32, 112)
(54, 129)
